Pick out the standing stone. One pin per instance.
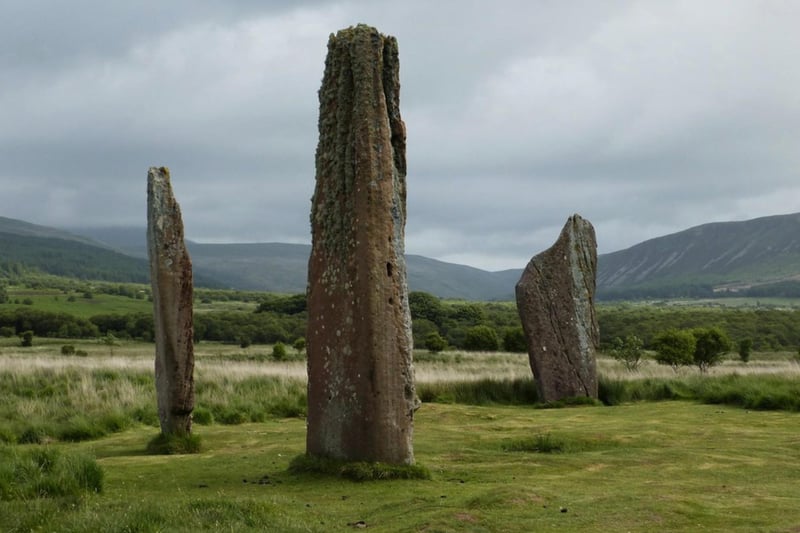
(171, 279)
(361, 395)
(555, 300)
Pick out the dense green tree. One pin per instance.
(481, 338)
(426, 306)
(514, 340)
(284, 305)
(3, 294)
(674, 348)
(435, 343)
(710, 345)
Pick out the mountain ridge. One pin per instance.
(719, 258)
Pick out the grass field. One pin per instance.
(670, 466)
(647, 466)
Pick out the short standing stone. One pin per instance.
(555, 300)
(361, 395)
(171, 279)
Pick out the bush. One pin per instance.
(435, 343)
(710, 345)
(68, 349)
(7, 331)
(481, 339)
(674, 348)
(745, 346)
(514, 340)
(300, 345)
(279, 352)
(27, 339)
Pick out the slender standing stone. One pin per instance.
(555, 300)
(361, 395)
(171, 279)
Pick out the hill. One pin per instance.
(755, 257)
(759, 257)
(281, 267)
(64, 254)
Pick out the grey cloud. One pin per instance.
(645, 117)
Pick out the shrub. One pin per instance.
(481, 338)
(514, 340)
(745, 347)
(7, 331)
(300, 345)
(68, 349)
(279, 352)
(27, 339)
(244, 342)
(674, 348)
(27, 301)
(435, 343)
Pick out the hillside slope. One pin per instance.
(722, 256)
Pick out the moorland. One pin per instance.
(662, 449)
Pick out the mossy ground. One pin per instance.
(667, 466)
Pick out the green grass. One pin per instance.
(28, 473)
(668, 466)
(355, 470)
(56, 301)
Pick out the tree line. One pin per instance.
(437, 324)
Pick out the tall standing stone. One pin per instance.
(555, 300)
(361, 395)
(171, 279)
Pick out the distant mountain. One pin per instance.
(65, 254)
(759, 257)
(723, 257)
(280, 267)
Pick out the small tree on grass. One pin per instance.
(745, 346)
(109, 340)
(710, 345)
(674, 348)
(628, 351)
(279, 352)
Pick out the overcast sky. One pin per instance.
(646, 117)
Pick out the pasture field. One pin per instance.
(663, 466)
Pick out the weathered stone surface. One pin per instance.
(171, 279)
(555, 300)
(361, 395)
